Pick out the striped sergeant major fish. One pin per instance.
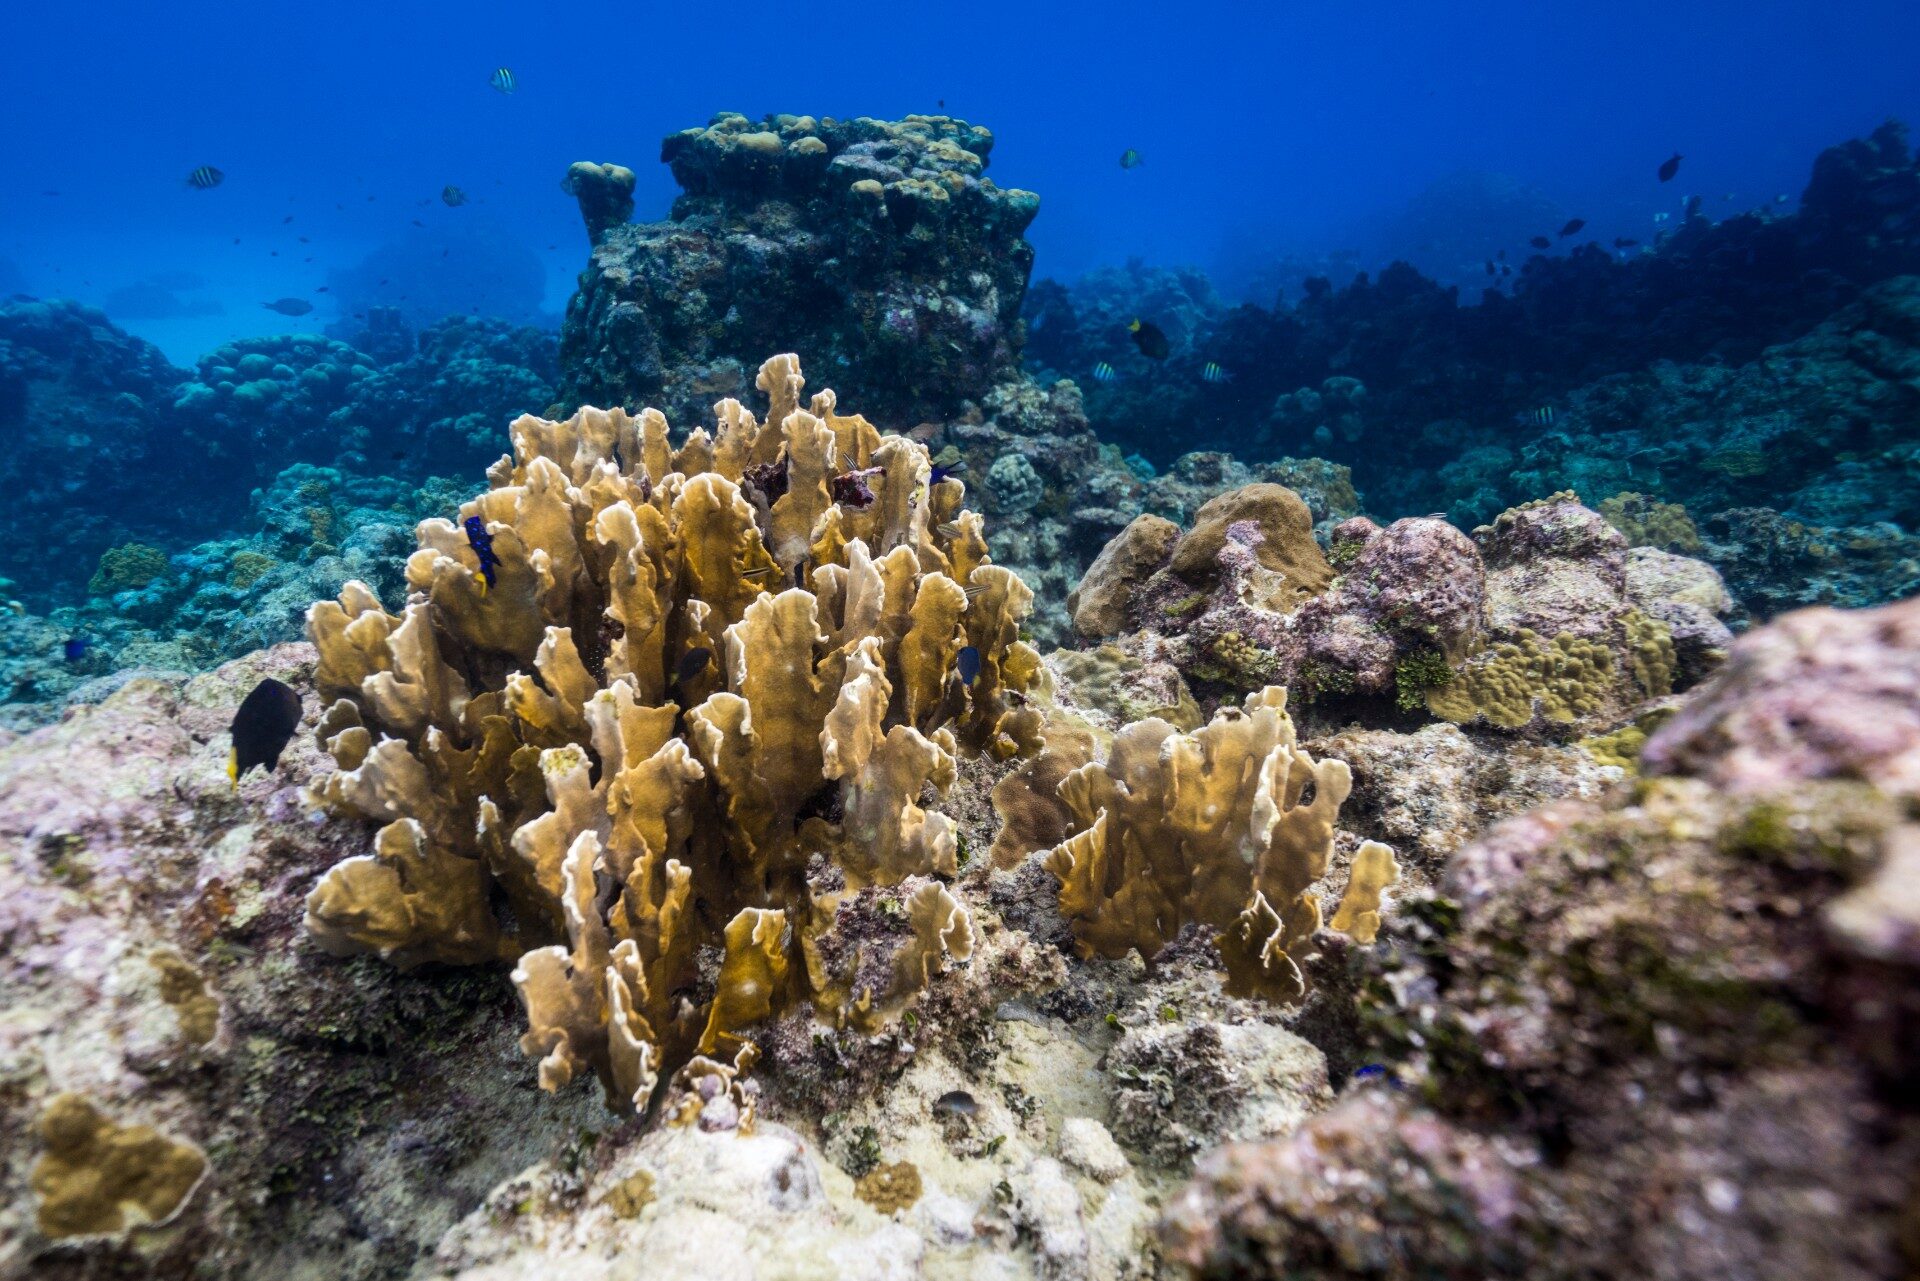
(1103, 372)
(503, 80)
(205, 178)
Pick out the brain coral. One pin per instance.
(693, 712)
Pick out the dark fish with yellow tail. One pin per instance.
(1150, 339)
(503, 80)
(205, 178)
(261, 728)
(482, 544)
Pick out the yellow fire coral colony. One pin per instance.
(1216, 827)
(98, 1176)
(643, 747)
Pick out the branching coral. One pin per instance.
(1231, 827)
(688, 721)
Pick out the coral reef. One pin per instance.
(1451, 895)
(1535, 621)
(706, 813)
(1759, 370)
(1612, 1056)
(876, 246)
(191, 1087)
(168, 459)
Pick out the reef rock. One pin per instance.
(191, 1087)
(877, 247)
(1659, 1033)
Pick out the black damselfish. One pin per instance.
(266, 720)
(1149, 338)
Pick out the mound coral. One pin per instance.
(632, 739)
(126, 567)
(1231, 826)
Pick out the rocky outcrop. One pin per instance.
(878, 248)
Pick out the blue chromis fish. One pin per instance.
(262, 727)
(75, 648)
(482, 543)
(1212, 373)
(503, 80)
(1103, 372)
(967, 663)
(205, 178)
(1131, 159)
(452, 197)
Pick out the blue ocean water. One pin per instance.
(1267, 131)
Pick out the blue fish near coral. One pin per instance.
(967, 663)
(482, 543)
(76, 648)
(1376, 1072)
